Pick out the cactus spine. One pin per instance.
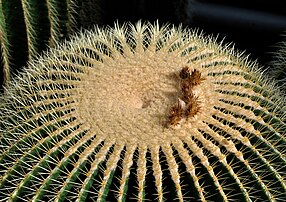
(87, 121)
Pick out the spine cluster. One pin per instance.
(188, 104)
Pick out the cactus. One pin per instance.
(28, 27)
(142, 112)
(278, 64)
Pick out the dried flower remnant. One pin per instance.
(185, 73)
(190, 101)
(188, 81)
(187, 94)
(176, 113)
(195, 78)
(193, 107)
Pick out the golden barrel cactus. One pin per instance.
(142, 112)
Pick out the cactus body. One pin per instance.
(87, 121)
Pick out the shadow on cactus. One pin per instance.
(142, 112)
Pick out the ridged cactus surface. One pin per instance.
(146, 113)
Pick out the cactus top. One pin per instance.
(116, 111)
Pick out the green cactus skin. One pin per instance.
(86, 122)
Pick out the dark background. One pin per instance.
(255, 26)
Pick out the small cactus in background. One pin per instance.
(93, 119)
(28, 27)
(278, 64)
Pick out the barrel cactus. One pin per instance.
(142, 112)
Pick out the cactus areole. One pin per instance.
(142, 112)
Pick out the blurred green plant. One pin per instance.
(28, 27)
